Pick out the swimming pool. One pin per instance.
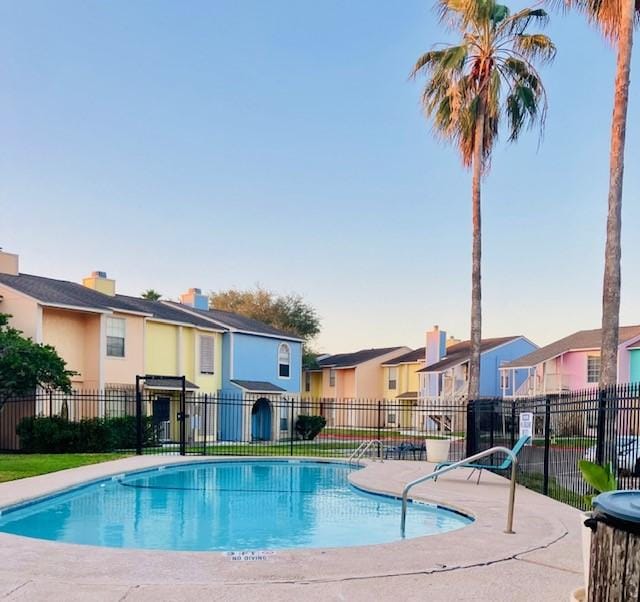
(226, 506)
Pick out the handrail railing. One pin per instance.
(465, 462)
(361, 450)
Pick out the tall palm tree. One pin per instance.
(616, 20)
(472, 87)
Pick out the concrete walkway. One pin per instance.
(541, 561)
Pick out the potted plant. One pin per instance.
(602, 479)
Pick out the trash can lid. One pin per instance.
(624, 505)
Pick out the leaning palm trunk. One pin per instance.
(611, 283)
(476, 257)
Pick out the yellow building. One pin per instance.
(401, 386)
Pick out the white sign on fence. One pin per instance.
(526, 425)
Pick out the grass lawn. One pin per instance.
(19, 466)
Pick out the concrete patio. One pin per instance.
(541, 561)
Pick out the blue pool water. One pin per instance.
(227, 506)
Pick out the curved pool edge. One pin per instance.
(540, 523)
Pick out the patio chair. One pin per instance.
(506, 463)
(404, 448)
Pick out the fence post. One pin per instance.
(602, 417)
(471, 429)
(547, 444)
(291, 428)
(138, 418)
(183, 417)
(50, 403)
(513, 423)
(204, 437)
(379, 425)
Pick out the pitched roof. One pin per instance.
(63, 292)
(345, 360)
(408, 395)
(162, 311)
(583, 339)
(459, 353)
(258, 386)
(169, 384)
(416, 355)
(234, 321)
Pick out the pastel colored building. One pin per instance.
(348, 376)
(401, 382)
(571, 364)
(261, 369)
(446, 373)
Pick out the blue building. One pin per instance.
(446, 374)
(261, 372)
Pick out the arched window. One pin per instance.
(284, 361)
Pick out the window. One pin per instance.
(332, 377)
(284, 361)
(307, 381)
(504, 380)
(392, 381)
(115, 337)
(593, 368)
(207, 350)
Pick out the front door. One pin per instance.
(261, 420)
(162, 417)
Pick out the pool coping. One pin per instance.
(540, 524)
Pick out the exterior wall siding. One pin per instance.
(634, 365)
(123, 370)
(491, 360)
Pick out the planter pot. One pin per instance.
(437, 450)
(586, 548)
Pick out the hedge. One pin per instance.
(56, 434)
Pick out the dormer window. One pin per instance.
(284, 361)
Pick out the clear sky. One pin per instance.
(228, 143)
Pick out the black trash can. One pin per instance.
(614, 573)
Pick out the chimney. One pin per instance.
(436, 345)
(98, 281)
(452, 341)
(194, 298)
(8, 263)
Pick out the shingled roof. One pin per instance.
(460, 353)
(162, 311)
(583, 339)
(346, 360)
(64, 293)
(416, 355)
(234, 321)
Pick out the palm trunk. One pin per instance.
(611, 282)
(612, 254)
(476, 256)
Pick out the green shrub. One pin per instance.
(308, 427)
(55, 434)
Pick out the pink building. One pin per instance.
(571, 364)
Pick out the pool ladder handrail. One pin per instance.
(483, 454)
(364, 447)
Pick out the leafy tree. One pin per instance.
(615, 18)
(151, 295)
(286, 312)
(24, 365)
(472, 87)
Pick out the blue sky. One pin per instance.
(220, 144)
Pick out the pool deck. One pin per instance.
(541, 561)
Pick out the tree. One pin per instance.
(474, 85)
(616, 19)
(25, 365)
(151, 295)
(286, 312)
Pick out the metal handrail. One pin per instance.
(465, 462)
(360, 450)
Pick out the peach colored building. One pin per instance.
(343, 378)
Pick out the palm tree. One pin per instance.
(151, 295)
(616, 20)
(471, 87)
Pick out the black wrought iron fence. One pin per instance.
(603, 426)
